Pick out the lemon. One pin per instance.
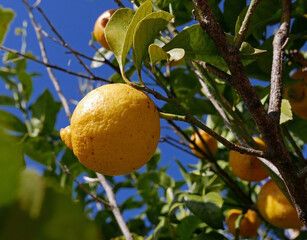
(248, 226)
(100, 25)
(115, 129)
(210, 141)
(297, 94)
(247, 167)
(275, 207)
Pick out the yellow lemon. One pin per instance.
(275, 207)
(248, 226)
(210, 141)
(297, 94)
(100, 25)
(247, 167)
(115, 129)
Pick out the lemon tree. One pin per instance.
(184, 120)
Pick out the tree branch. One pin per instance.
(53, 78)
(280, 157)
(117, 214)
(53, 66)
(279, 42)
(245, 24)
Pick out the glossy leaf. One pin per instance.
(199, 46)
(207, 208)
(125, 39)
(11, 122)
(6, 16)
(176, 54)
(116, 32)
(145, 32)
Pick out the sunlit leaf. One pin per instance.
(145, 32)
(121, 28)
(285, 111)
(100, 56)
(156, 53)
(199, 46)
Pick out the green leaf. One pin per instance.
(211, 236)
(207, 208)
(11, 122)
(156, 53)
(285, 112)
(31, 193)
(6, 16)
(232, 9)
(186, 227)
(11, 162)
(27, 85)
(44, 112)
(52, 209)
(116, 32)
(7, 100)
(154, 161)
(39, 149)
(146, 30)
(123, 41)
(199, 46)
(158, 229)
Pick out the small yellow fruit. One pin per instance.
(248, 167)
(297, 94)
(210, 141)
(275, 207)
(115, 129)
(248, 226)
(100, 25)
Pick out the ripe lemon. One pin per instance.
(115, 129)
(248, 167)
(248, 226)
(100, 25)
(210, 141)
(297, 94)
(275, 207)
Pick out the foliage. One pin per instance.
(52, 206)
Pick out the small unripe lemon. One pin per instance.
(100, 25)
(115, 129)
(248, 167)
(275, 207)
(209, 140)
(248, 226)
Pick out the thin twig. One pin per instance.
(245, 24)
(279, 41)
(119, 3)
(95, 197)
(53, 78)
(53, 66)
(115, 209)
(64, 43)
